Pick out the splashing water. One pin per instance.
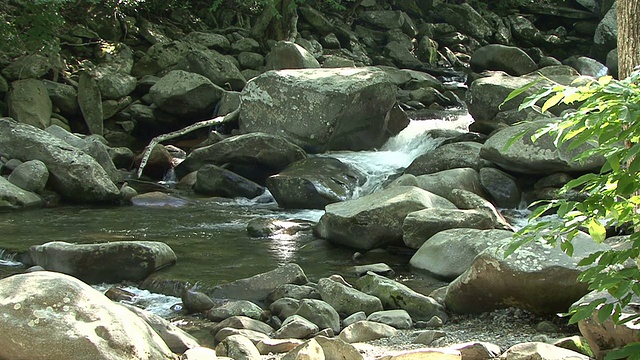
(8, 259)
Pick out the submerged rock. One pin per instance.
(107, 262)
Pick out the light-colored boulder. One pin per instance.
(347, 300)
(72, 173)
(375, 220)
(426, 353)
(277, 346)
(294, 291)
(450, 156)
(510, 59)
(293, 104)
(421, 226)
(13, 197)
(28, 102)
(70, 320)
(251, 335)
(398, 318)
(63, 96)
(234, 308)
(31, 176)
(362, 331)
(320, 313)
(466, 200)
(539, 157)
(478, 350)
(296, 327)
(186, 94)
(536, 277)
(284, 307)
(314, 183)
(443, 182)
(587, 66)
(451, 252)
(110, 262)
(238, 347)
(335, 348)
(310, 350)
(288, 55)
(395, 295)
(540, 350)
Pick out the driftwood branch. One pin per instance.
(199, 125)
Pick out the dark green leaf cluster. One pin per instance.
(608, 118)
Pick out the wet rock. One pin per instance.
(107, 262)
(501, 187)
(362, 331)
(195, 301)
(539, 157)
(13, 197)
(258, 287)
(30, 176)
(288, 55)
(451, 252)
(234, 308)
(421, 226)
(314, 183)
(450, 156)
(347, 300)
(320, 313)
(394, 295)
(399, 319)
(296, 327)
(375, 220)
(254, 156)
(176, 339)
(158, 164)
(495, 282)
(215, 181)
(276, 101)
(510, 59)
(61, 309)
(72, 173)
(261, 227)
(238, 347)
(186, 94)
(157, 198)
(28, 102)
(541, 351)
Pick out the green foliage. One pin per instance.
(609, 118)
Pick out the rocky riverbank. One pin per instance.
(76, 122)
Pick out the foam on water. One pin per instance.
(8, 259)
(158, 304)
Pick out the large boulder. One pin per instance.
(347, 300)
(450, 253)
(288, 55)
(70, 320)
(466, 19)
(395, 295)
(510, 59)
(320, 109)
(90, 102)
(186, 94)
(29, 103)
(13, 197)
(215, 67)
(375, 220)
(443, 182)
(72, 173)
(216, 181)
(539, 157)
(110, 262)
(255, 156)
(31, 176)
(420, 226)
(464, 154)
(320, 313)
(314, 183)
(536, 277)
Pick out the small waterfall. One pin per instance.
(398, 152)
(8, 259)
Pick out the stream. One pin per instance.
(209, 235)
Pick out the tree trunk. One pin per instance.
(628, 13)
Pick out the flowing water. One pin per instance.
(209, 236)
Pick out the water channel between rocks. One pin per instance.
(209, 236)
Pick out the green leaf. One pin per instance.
(605, 312)
(552, 101)
(518, 91)
(629, 351)
(596, 230)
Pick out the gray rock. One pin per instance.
(539, 157)
(383, 19)
(49, 302)
(419, 227)
(606, 35)
(587, 66)
(246, 44)
(294, 291)
(31, 176)
(110, 262)
(199, 353)
(442, 183)
(288, 55)
(113, 85)
(277, 346)
(195, 301)
(33, 66)
(540, 350)
(466, 200)
(320, 313)
(63, 96)
(335, 348)
(296, 327)
(237, 347)
(251, 335)
(316, 19)
(258, 287)
(536, 277)
(284, 307)
(394, 295)
(509, 59)
(308, 350)
(399, 319)
(28, 102)
(216, 181)
(502, 188)
(428, 336)
(314, 183)
(255, 155)
(375, 220)
(13, 197)
(466, 19)
(362, 331)
(353, 318)
(250, 60)
(292, 103)
(90, 102)
(160, 56)
(72, 173)
(464, 154)
(234, 308)
(185, 94)
(450, 253)
(216, 67)
(242, 322)
(347, 300)
(401, 56)
(216, 42)
(478, 350)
